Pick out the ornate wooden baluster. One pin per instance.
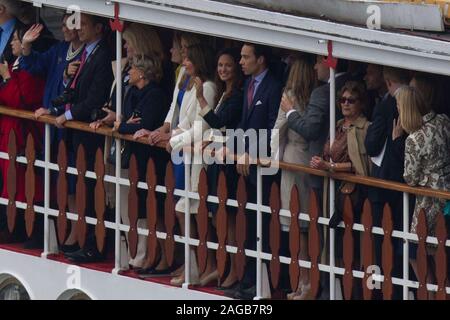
(222, 224)
(441, 258)
(169, 214)
(152, 215)
(133, 205)
(388, 253)
(422, 263)
(100, 201)
(81, 196)
(241, 228)
(349, 248)
(11, 211)
(294, 238)
(62, 191)
(367, 248)
(202, 222)
(314, 242)
(275, 229)
(30, 185)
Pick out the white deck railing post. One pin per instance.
(259, 235)
(405, 246)
(46, 192)
(332, 183)
(187, 218)
(118, 148)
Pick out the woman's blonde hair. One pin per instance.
(302, 79)
(412, 107)
(144, 40)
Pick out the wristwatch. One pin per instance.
(332, 166)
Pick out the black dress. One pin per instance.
(152, 105)
(226, 115)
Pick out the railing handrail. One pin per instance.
(363, 180)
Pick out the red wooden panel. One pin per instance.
(11, 210)
(30, 184)
(133, 205)
(349, 248)
(100, 201)
(241, 228)
(62, 191)
(367, 247)
(222, 224)
(169, 214)
(388, 253)
(202, 222)
(275, 229)
(152, 215)
(441, 258)
(294, 238)
(422, 263)
(314, 242)
(80, 197)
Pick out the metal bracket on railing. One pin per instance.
(116, 24)
(330, 60)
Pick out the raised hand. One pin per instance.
(198, 83)
(32, 34)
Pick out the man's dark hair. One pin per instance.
(342, 65)
(261, 51)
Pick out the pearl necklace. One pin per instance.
(71, 54)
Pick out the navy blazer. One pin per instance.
(380, 131)
(262, 114)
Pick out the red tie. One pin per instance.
(250, 92)
(83, 61)
(74, 82)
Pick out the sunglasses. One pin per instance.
(349, 100)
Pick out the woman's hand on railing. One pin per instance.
(141, 134)
(318, 163)
(158, 136)
(41, 112)
(95, 125)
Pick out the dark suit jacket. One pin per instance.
(380, 131)
(314, 125)
(262, 114)
(92, 92)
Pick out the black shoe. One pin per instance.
(152, 272)
(84, 256)
(246, 294)
(66, 248)
(231, 292)
(32, 244)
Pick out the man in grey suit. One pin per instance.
(313, 126)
